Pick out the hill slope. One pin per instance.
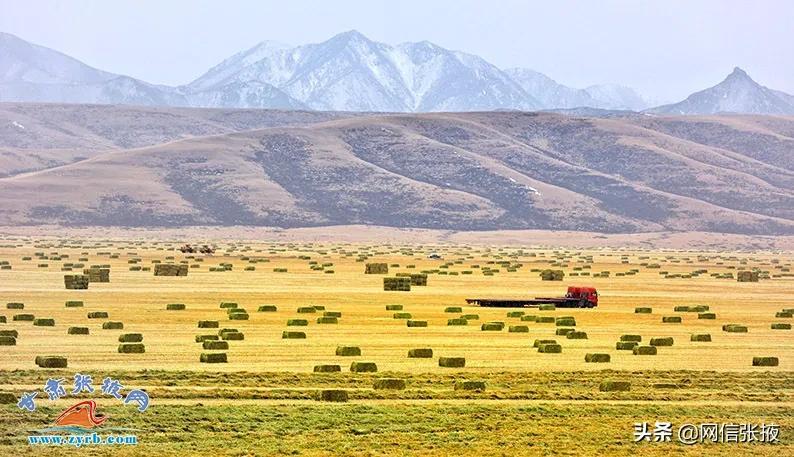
(502, 170)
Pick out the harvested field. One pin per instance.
(308, 332)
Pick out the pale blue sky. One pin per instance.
(665, 49)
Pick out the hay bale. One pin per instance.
(492, 326)
(98, 274)
(734, 328)
(401, 316)
(576, 335)
(15, 305)
(267, 308)
(3, 320)
(51, 361)
(626, 345)
(130, 338)
(175, 307)
(458, 321)
(562, 331)
(7, 398)
(597, 358)
(681, 309)
(471, 317)
(213, 357)
(666, 341)
(515, 313)
(747, 276)
(397, 284)
(334, 395)
(232, 336)
(565, 322)
(452, 362)
(518, 329)
(327, 320)
(306, 310)
(528, 318)
(287, 335)
(645, 350)
(229, 305)
(412, 323)
(8, 340)
(453, 309)
(336, 314)
(552, 275)
(363, 367)
(297, 322)
(765, 361)
(781, 326)
(44, 322)
(207, 324)
(76, 281)
(348, 351)
(643, 310)
(547, 307)
(23, 318)
(470, 385)
(615, 386)
(170, 269)
(98, 315)
(12, 332)
(215, 345)
(420, 353)
(327, 368)
(389, 384)
(671, 319)
(112, 325)
(783, 314)
(418, 279)
(74, 304)
(700, 337)
(394, 307)
(545, 320)
(203, 338)
(238, 316)
(707, 316)
(538, 343)
(77, 331)
(550, 348)
(131, 348)
(377, 268)
(636, 338)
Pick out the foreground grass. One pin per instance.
(403, 429)
(653, 385)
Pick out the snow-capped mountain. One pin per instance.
(29, 72)
(553, 95)
(737, 93)
(350, 72)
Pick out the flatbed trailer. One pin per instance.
(576, 297)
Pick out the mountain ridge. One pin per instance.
(455, 171)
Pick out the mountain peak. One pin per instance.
(738, 73)
(737, 93)
(352, 35)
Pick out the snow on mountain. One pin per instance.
(614, 96)
(549, 92)
(29, 72)
(350, 72)
(737, 93)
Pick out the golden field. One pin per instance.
(263, 401)
(138, 299)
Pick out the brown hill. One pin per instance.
(496, 170)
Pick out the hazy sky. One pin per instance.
(665, 49)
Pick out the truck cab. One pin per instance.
(588, 296)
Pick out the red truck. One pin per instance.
(576, 297)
